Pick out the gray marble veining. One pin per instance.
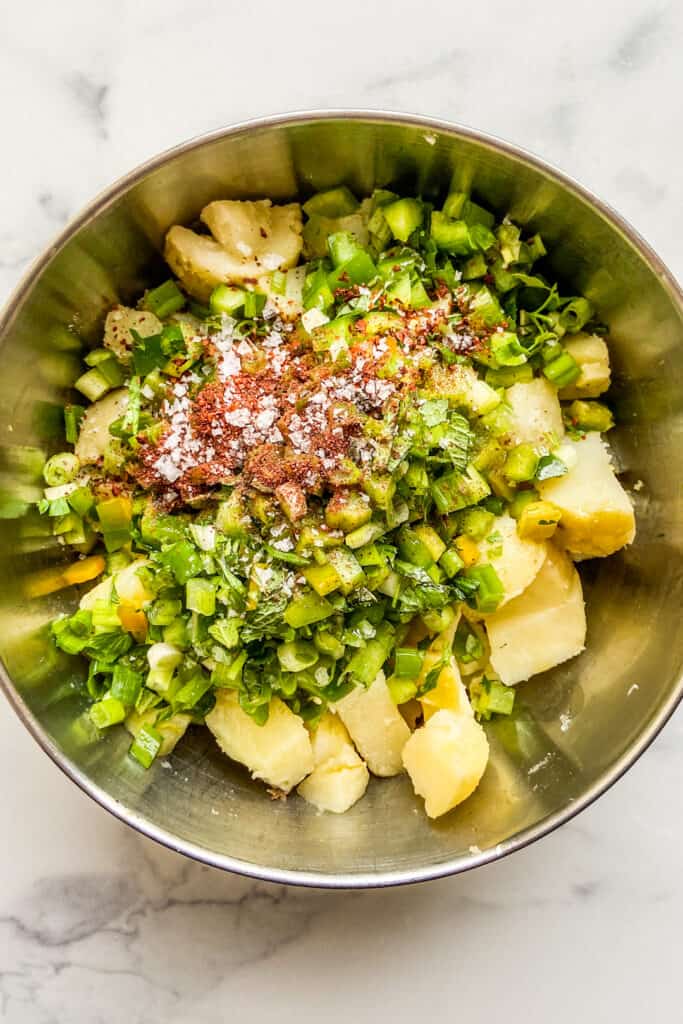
(98, 924)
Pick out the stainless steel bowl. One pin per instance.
(583, 725)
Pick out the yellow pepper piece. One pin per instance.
(539, 520)
(467, 549)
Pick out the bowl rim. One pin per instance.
(381, 878)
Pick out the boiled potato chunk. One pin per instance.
(130, 589)
(118, 325)
(376, 726)
(94, 435)
(171, 730)
(515, 560)
(340, 777)
(445, 760)
(536, 417)
(249, 240)
(592, 355)
(597, 515)
(278, 752)
(541, 628)
(449, 691)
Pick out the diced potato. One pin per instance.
(376, 726)
(130, 589)
(278, 752)
(445, 759)
(198, 261)
(171, 729)
(340, 777)
(592, 355)
(94, 435)
(536, 415)
(449, 691)
(118, 325)
(541, 628)
(260, 236)
(515, 560)
(249, 240)
(597, 515)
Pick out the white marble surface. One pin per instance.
(99, 925)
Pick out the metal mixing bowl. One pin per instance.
(582, 725)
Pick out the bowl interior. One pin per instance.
(579, 726)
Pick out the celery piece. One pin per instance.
(451, 562)
(408, 662)
(226, 299)
(399, 290)
(380, 322)
(587, 416)
(457, 490)
(182, 558)
(163, 300)
(419, 299)
(474, 268)
(380, 488)
(347, 568)
(200, 596)
(412, 549)
(335, 202)
(365, 664)
(506, 376)
(521, 464)
(403, 217)
(431, 540)
(485, 308)
(520, 502)
(332, 336)
(365, 534)
(475, 522)
(401, 690)
(316, 292)
(323, 578)
(307, 608)
(347, 510)
(342, 245)
(359, 269)
(452, 236)
(506, 349)
(92, 384)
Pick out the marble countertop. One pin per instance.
(98, 924)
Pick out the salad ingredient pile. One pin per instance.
(331, 479)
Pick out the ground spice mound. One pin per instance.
(277, 412)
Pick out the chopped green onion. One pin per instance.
(93, 384)
(590, 416)
(297, 655)
(563, 370)
(126, 684)
(106, 712)
(73, 415)
(306, 609)
(490, 590)
(253, 304)
(146, 745)
(576, 315)
(61, 469)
